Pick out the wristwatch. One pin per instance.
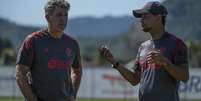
(116, 65)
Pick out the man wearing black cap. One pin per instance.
(161, 62)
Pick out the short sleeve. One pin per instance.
(180, 53)
(26, 52)
(77, 58)
(137, 61)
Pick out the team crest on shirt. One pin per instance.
(46, 50)
(68, 52)
(162, 49)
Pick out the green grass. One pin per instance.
(79, 99)
(10, 99)
(92, 99)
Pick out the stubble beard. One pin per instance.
(146, 29)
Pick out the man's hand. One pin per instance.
(156, 57)
(105, 52)
(35, 99)
(72, 98)
(24, 79)
(179, 72)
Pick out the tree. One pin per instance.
(7, 52)
(195, 54)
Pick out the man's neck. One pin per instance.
(157, 34)
(55, 34)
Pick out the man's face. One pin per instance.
(58, 19)
(148, 21)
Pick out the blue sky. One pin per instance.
(30, 12)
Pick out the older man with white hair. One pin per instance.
(48, 62)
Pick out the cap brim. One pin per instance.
(139, 13)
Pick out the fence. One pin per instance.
(104, 83)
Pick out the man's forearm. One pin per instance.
(133, 78)
(178, 72)
(22, 82)
(76, 79)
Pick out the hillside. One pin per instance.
(16, 33)
(85, 27)
(122, 34)
(184, 18)
(99, 27)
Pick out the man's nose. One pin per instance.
(63, 18)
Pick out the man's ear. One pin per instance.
(47, 18)
(159, 18)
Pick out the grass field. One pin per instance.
(85, 99)
(79, 99)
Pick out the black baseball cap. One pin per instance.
(153, 7)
